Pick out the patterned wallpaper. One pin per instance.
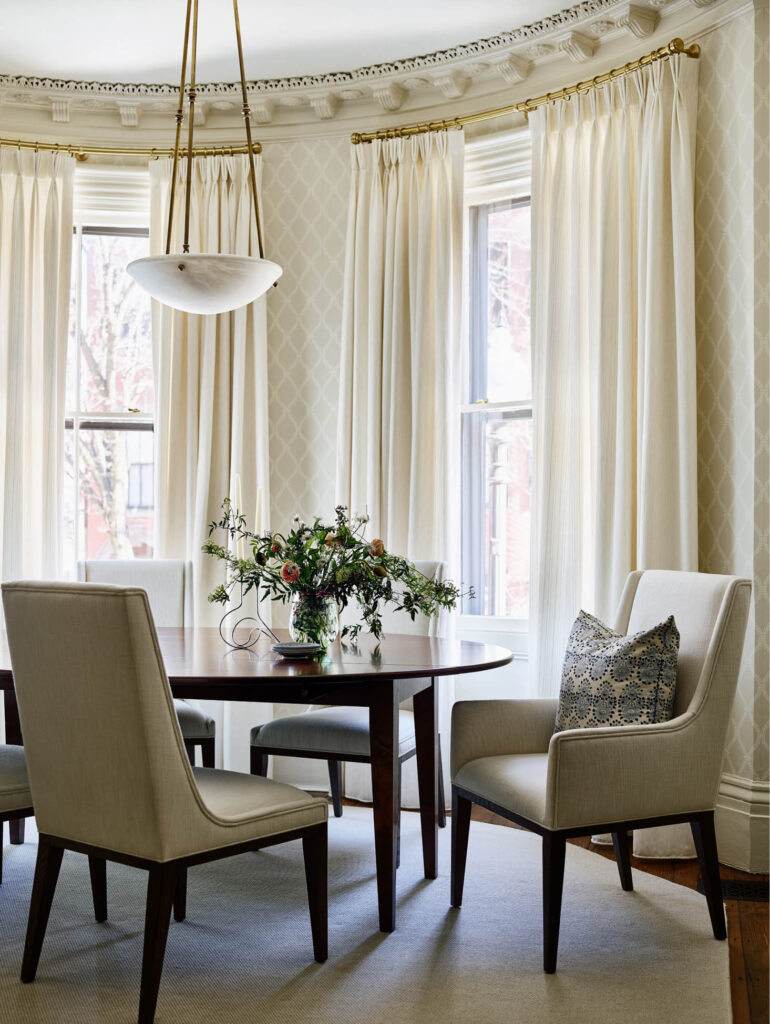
(725, 312)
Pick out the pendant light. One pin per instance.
(205, 282)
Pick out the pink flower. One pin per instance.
(377, 547)
(289, 572)
(331, 540)
(275, 546)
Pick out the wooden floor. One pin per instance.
(747, 925)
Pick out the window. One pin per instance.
(497, 418)
(109, 420)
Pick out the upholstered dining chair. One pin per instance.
(15, 796)
(168, 583)
(120, 787)
(339, 734)
(507, 758)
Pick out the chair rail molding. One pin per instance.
(595, 34)
(743, 823)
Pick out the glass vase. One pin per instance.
(313, 619)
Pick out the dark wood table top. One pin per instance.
(199, 654)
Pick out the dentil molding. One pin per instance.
(572, 35)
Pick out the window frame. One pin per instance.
(97, 222)
(497, 196)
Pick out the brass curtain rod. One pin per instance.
(524, 106)
(83, 152)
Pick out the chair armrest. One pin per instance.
(486, 728)
(603, 775)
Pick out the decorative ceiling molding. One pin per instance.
(509, 58)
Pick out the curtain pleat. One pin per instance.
(211, 396)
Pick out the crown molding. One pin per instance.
(572, 36)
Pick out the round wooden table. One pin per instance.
(376, 677)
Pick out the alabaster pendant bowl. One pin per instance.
(204, 282)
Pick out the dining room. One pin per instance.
(385, 525)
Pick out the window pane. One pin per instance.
(497, 451)
(116, 340)
(509, 376)
(109, 526)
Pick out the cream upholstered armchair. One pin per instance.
(108, 771)
(15, 797)
(168, 583)
(506, 756)
(338, 734)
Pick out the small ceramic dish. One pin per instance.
(296, 650)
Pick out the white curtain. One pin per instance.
(398, 436)
(35, 255)
(211, 430)
(613, 338)
(399, 385)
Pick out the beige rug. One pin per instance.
(244, 953)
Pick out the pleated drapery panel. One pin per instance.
(210, 395)
(613, 348)
(36, 191)
(398, 434)
(613, 341)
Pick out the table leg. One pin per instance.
(13, 736)
(426, 736)
(383, 738)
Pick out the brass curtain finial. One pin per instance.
(676, 46)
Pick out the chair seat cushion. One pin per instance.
(14, 784)
(194, 723)
(330, 730)
(612, 679)
(514, 781)
(236, 798)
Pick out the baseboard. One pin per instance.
(743, 823)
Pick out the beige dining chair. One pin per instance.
(339, 734)
(15, 796)
(168, 583)
(507, 758)
(108, 771)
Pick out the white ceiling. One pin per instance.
(141, 40)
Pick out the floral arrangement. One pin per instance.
(322, 566)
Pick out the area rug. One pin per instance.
(244, 953)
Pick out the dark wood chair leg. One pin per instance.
(180, 896)
(97, 868)
(49, 859)
(621, 841)
(161, 888)
(189, 746)
(398, 818)
(554, 850)
(315, 852)
(1, 853)
(335, 784)
(16, 828)
(441, 797)
(461, 823)
(706, 846)
(258, 762)
(208, 752)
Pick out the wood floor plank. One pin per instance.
(754, 941)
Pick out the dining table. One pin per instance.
(378, 676)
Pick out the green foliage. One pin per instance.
(323, 560)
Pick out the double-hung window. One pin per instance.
(497, 414)
(109, 461)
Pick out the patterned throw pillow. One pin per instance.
(611, 679)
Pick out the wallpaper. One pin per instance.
(725, 314)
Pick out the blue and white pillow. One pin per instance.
(611, 679)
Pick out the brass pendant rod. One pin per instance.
(81, 153)
(676, 46)
(247, 119)
(179, 119)
(191, 126)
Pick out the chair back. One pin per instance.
(106, 760)
(400, 622)
(711, 612)
(167, 581)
